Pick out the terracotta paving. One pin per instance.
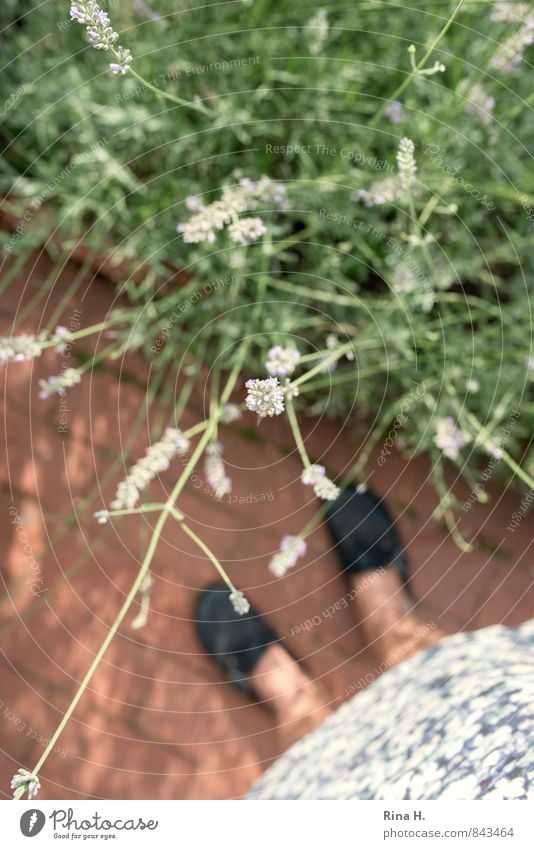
(157, 721)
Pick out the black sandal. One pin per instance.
(364, 534)
(234, 642)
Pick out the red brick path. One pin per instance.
(156, 721)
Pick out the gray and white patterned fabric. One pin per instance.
(454, 722)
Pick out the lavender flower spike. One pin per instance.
(57, 384)
(323, 487)
(291, 548)
(239, 602)
(18, 349)
(215, 471)
(100, 33)
(156, 460)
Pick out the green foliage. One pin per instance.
(112, 160)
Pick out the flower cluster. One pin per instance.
(381, 191)
(509, 12)
(19, 348)
(156, 460)
(65, 336)
(449, 438)
(102, 516)
(244, 197)
(480, 103)
(282, 361)
(331, 342)
(230, 413)
(323, 487)
(57, 384)
(215, 472)
(124, 60)
(291, 548)
(406, 163)
(395, 187)
(318, 31)
(265, 397)
(290, 390)
(100, 33)
(239, 602)
(403, 280)
(30, 783)
(509, 54)
(245, 231)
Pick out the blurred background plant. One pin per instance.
(428, 276)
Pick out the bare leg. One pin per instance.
(389, 626)
(299, 704)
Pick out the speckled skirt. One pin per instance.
(454, 722)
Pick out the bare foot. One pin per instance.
(299, 703)
(389, 625)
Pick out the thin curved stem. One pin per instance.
(209, 554)
(297, 435)
(197, 107)
(417, 68)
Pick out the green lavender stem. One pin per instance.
(419, 66)
(197, 107)
(297, 435)
(167, 510)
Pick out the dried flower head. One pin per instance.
(102, 516)
(239, 602)
(265, 397)
(449, 438)
(27, 780)
(291, 548)
(282, 361)
(156, 460)
(215, 471)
